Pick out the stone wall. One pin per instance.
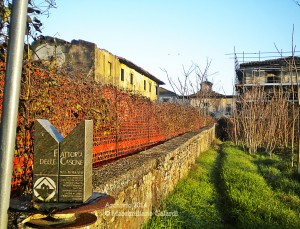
(139, 183)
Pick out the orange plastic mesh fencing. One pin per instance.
(123, 123)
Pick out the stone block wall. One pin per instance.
(139, 183)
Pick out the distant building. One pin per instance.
(212, 103)
(269, 74)
(167, 95)
(85, 59)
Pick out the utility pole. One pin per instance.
(11, 103)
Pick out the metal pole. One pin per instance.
(11, 103)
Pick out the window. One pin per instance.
(156, 90)
(109, 68)
(206, 104)
(131, 78)
(145, 85)
(228, 109)
(273, 79)
(257, 73)
(149, 87)
(122, 74)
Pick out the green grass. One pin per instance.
(195, 199)
(228, 188)
(253, 203)
(281, 178)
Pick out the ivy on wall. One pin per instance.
(124, 123)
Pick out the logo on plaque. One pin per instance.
(62, 166)
(44, 189)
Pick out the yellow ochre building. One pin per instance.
(84, 58)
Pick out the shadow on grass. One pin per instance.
(250, 201)
(223, 205)
(194, 198)
(225, 190)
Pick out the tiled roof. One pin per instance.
(207, 94)
(272, 62)
(163, 91)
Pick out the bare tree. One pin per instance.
(36, 9)
(293, 70)
(297, 2)
(181, 87)
(190, 83)
(260, 121)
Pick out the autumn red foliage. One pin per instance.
(123, 123)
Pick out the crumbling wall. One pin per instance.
(82, 59)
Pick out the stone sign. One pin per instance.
(75, 172)
(46, 166)
(62, 167)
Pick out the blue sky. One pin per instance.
(170, 34)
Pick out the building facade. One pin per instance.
(212, 103)
(166, 95)
(82, 58)
(269, 74)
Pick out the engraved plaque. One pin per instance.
(46, 164)
(75, 161)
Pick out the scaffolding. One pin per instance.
(267, 70)
(262, 64)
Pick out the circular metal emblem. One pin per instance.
(44, 189)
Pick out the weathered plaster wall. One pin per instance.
(108, 71)
(81, 58)
(85, 59)
(140, 182)
(106, 67)
(216, 106)
(137, 85)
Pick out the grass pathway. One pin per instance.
(230, 189)
(195, 198)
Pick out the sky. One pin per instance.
(175, 34)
